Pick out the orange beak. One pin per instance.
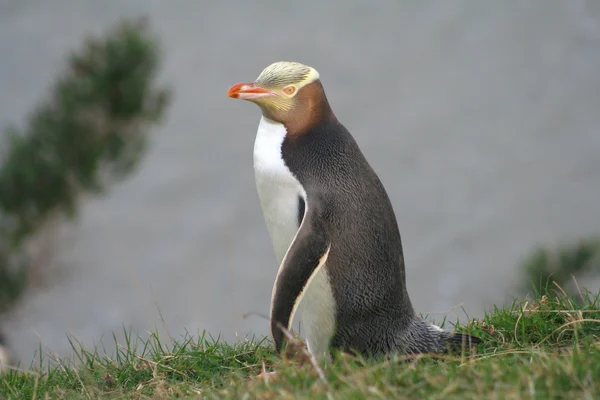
(248, 91)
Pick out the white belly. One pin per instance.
(318, 314)
(279, 192)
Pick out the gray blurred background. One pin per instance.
(482, 118)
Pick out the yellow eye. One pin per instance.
(289, 90)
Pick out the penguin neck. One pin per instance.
(267, 146)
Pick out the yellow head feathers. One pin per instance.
(284, 73)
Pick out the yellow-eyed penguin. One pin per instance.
(332, 225)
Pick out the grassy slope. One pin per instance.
(544, 349)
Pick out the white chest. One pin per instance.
(278, 189)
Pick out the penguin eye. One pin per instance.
(289, 90)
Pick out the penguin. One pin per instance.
(332, 227)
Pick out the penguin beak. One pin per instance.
(248, 91)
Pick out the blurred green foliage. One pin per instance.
(545, 268)
(92, 131)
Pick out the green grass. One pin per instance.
(543, 349)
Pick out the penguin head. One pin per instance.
(287, 92)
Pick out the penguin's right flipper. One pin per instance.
(305, 256)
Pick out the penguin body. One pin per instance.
(333, 228)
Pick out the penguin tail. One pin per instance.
(462, 340)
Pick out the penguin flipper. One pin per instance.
(305, 256)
